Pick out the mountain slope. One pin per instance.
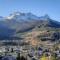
(17, 23)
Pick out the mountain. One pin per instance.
(45, 17)
(22, 16)
(17, 24)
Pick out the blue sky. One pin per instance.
(37, 7)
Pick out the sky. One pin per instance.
(37, 7)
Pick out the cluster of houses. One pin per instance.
(29, 52)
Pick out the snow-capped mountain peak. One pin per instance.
(22, 16)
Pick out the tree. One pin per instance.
(18, 56)
(22, 58)
(54, 56)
